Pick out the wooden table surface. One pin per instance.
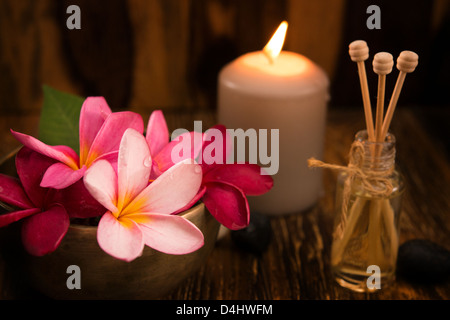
(296, 262)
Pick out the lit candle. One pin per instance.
(274, 89)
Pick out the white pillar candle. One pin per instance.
(287, 92)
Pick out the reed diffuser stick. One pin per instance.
(382, 65)
(359, 52)
(407, 62)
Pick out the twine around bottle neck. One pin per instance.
(369, 163)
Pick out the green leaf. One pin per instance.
(59, 120)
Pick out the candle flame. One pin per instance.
(275, 44)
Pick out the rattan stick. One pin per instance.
(382, 65)
(374, 233)
(348, 228)
(406, 63)
(359, 52)
(388, 215)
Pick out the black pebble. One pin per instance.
(423, 261)
(255, 238)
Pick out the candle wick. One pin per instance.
(269, 56)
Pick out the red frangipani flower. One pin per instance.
(161, 147)
(45, 219)
(228, 185)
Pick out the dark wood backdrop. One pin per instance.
(147, 54)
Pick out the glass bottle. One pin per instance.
(368, 205)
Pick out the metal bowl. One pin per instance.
(151, 276)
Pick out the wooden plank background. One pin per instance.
(147, 54)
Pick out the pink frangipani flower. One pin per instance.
(100, 132)
(140, 213)
(45, 220)
(224, 187)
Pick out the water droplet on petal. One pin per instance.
(148, 162)
(198, 169)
